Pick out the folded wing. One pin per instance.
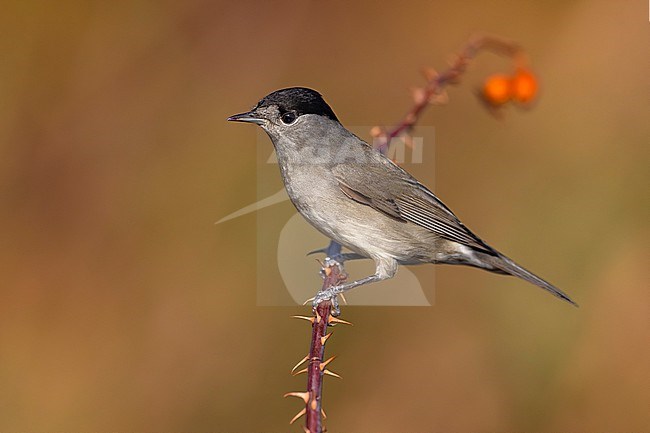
(400, 196)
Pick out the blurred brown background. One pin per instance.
(124, 308)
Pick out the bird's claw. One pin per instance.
(329, 294)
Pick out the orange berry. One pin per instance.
(497, 89)
(524, 86)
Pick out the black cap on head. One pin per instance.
(300, 100)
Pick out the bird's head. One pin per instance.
(294, 113)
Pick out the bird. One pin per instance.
(361, 199)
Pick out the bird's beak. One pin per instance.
(250, 117)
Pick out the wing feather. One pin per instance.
(404, 198)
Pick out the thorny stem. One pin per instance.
(332, 275)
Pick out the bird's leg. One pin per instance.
(332, 291)
(386, 269)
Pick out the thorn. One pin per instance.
(430, 74)
(303, 395)
(410, 118)
(324, 363)
(376, 131)
(439, 98)
(324, 339)
(322, 412)
(345, 301)
(318, 318)
(305, 429)
(419, 95)
(331, 373)
(308, 300)
(313, 404)
(298, 415)
(327, 271)
(309, 319)
(304, 370)
(299, 364)
(332, 319)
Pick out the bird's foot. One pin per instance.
(329, 294)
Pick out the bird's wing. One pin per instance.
(389, 189)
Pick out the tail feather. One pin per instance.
(503, 264)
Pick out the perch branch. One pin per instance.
(316, 369)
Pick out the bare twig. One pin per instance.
(433, 92)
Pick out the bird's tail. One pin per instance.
(503, 264)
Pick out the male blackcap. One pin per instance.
(356, 196)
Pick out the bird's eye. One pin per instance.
(289, 117)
